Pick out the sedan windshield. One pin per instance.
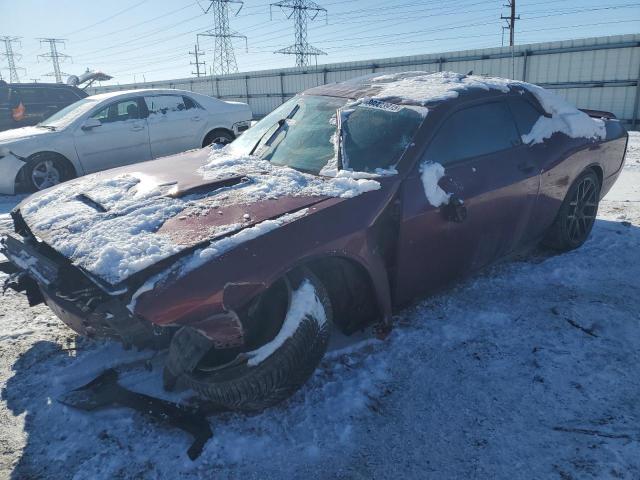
(68, 114)
(301, 134)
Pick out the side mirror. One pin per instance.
(91, 123)
(455, 211)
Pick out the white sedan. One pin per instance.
(113, 129)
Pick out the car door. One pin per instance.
(175, 124)
(494, 180)
(121, 138)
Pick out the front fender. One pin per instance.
(337, 227)
(10, 166)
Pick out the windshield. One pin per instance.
(301, 134)
(69, 113)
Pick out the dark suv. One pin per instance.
(23, 104)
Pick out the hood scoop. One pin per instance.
(87, 200)
(197, 186)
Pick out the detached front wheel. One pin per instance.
(296, 314)
(577, 214)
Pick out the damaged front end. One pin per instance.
(47, 277)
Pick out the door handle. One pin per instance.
(137, 128)
(197, 118)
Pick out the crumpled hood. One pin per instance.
(22, 134)
(117, 223)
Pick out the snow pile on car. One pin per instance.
(107, 225)
(271, 181)
(564, 118)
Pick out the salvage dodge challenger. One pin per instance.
(344, 204)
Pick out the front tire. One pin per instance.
(45, 170)
(255, 381)
(577, 214)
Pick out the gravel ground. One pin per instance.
(528, 370)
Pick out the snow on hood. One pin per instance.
(108, 225)
(24, 133)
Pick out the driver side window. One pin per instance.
(473, 132)
(118, 112)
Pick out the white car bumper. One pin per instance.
(10, 165)
(240, 127)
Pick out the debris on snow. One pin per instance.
(304, 304)
(431, 173)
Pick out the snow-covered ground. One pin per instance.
(529, 370)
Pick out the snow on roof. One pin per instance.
(422, 88)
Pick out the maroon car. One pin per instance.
(344, 204)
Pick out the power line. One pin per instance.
(196, 53)
(224, 58)
(11, 57)
(300, 11)
(54, 56)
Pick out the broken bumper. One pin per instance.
(74, 299)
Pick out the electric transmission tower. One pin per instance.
(55, 57)
(11, 57)
(511, 21)
(224, 58)
(302, 11)
(197, 53)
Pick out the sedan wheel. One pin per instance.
(577, 214)
(45, 174)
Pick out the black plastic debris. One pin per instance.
(105, 391)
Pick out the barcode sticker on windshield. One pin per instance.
(380, 105)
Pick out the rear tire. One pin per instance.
(220, 136)
(577, 214)
(245, 387)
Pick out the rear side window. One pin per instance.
(472, 132)
(189, 103)
(524, 113)
(164, 104)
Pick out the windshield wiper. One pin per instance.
(280, 124)
(48, 127)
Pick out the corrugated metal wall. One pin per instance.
(599, 73)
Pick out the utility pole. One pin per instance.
(196, 52)
(224, 58)
(511, 21)
(55, 57)
(11, 57)
(302, 11)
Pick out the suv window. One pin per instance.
(524, 113)
(163, 104)
(30, 94)
(118, 112)
(474, 131)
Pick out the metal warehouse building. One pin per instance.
(600, 73)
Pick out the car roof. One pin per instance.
(140, 91)
(418, 88)
(42, 85)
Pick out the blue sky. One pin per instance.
(149, 39)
